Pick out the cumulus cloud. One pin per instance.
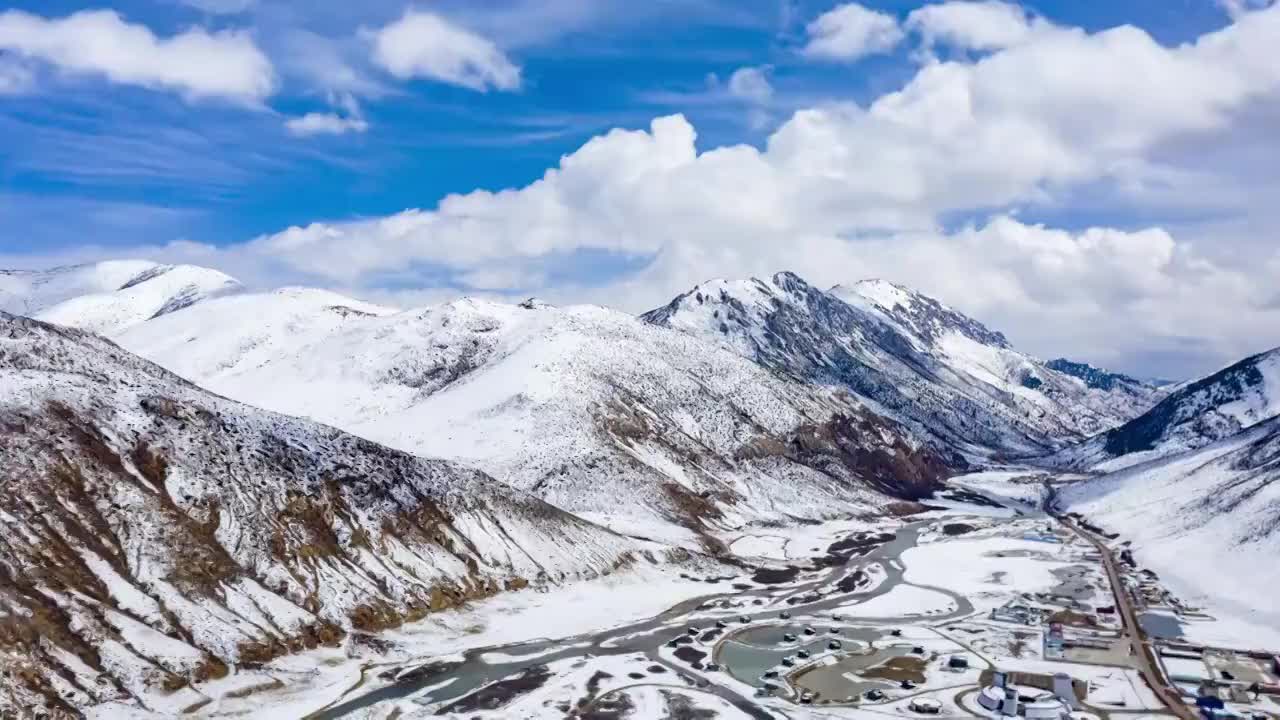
(844, 191)
(425, 45)
(959, 136)
(849, 32)
(1108, 295)
(751, 84)
(973, 25)
(196, 63)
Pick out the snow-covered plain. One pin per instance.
(986, 570)
(905, 601)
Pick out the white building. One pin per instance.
(925, 706)
(1031, 703)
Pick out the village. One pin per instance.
(972, 606)
(990, 616)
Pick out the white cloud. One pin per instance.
(196, 63)
(15, 77)
(327, 64)
(346, 117)
(751, 84)
(316, 123)
(1006, 129)
(422, 44)
(973, 25)
(843, 191)
(849, 32)
(1103, 294)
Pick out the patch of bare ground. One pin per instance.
(898, 669)
(497, 694)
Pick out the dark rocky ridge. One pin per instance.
(1191, 410)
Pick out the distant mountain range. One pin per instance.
(108, 297)
(475, 446)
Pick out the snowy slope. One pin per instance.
(109, 296)
(1082, 399)
(908, 357)
(151, 532)
(1193, 415)
(648, 430)
(152, 293)
(1216, 507)
(27, 292)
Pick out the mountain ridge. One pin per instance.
(913, 358)
(645, 429)
(152, 533)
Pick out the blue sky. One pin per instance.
(126, 165)
(120, 158)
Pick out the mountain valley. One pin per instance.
(228, 494)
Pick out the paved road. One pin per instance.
(1143, 654)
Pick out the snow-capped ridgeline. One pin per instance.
(910, 357)
(152, 532)
(921, 316)
(1193, 415)
(27, 292)
(1085, 399)
(650, 431)
(107, 297)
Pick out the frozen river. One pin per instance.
(452, 682)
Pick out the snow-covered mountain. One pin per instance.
(27, 292)
(942, 374)
(1083, 398)
(1215, 507)
(152, 532)
(651, 431)
(110, 296)
(1191, 416)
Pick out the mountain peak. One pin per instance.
(922, 315)
(150, 291)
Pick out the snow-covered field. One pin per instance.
(986, 570)
(905, 601)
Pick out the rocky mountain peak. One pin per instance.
(924, 316)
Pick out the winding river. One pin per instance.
(449, 681)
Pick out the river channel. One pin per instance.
(445, 682)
